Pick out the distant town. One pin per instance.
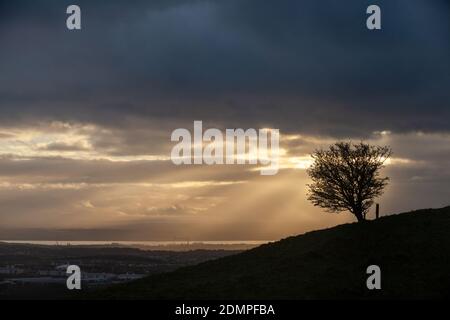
(39, 271)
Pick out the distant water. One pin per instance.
(141, 243)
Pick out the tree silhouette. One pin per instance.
(346, 177)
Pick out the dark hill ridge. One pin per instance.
(412, 250)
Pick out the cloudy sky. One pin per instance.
(86, 116)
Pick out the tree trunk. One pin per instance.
(359, 216)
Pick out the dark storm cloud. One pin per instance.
(308, 66)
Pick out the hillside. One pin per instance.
(412, 250)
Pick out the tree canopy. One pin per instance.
(346, 177)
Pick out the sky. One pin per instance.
(87, 115)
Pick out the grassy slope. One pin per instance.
(412, 249)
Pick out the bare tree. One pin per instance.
(346, 177)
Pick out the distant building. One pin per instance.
(11, 270)
(130, 276)
(97, 277)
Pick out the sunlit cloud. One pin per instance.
(77, 186)
(66, 140)
(85, 175)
